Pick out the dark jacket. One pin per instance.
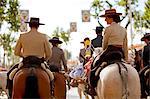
(97, 42)
(146, 55)
(82, 55)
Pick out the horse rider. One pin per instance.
(58, 56)
(115, 36)
(97, 42)
(114, 39)
(32, 43)
(146, 50)
(146, 66)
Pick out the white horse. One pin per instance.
(118, 85)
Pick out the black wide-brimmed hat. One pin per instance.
(110, 12)
(85, 40)
(55, 40)
(34, 20)
(99, 28)
(146, 36)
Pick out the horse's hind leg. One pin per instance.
(80, 93)
(86, 96)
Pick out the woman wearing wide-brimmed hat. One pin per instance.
(115, 36)
(58, 56)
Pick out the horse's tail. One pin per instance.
(31, 86)
(124, 77)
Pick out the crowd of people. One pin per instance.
(113, 38)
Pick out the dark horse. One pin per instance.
(138, 60)
(145, 81)
(144, 73)
(31, 82)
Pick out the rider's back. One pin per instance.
(32, 44)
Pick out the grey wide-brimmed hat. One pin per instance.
(34, 20)
(110, 12)
(146, 36)
(55, 40)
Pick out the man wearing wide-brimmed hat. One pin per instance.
(115, 36)
(146, 49)
(143, 74)
(97, 42)
(58, 56)
(33, 43)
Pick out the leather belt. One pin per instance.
(119, 46)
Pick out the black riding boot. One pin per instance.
(52, 87)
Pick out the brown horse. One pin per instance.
(138, 60)
(59, 85)
(31, 83)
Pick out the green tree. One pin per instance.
(146, 16)
(97, 6)
(9, 13)
(64, 35)
(7, 42)
(138, 19)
